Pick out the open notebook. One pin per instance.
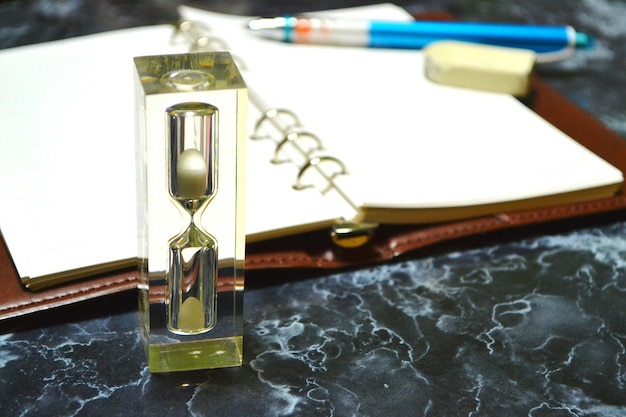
(414, 151)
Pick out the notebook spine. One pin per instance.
(294, 144)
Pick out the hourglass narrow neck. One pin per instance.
(194, 207)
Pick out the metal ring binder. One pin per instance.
(315, 162)
(194, 33)
(351, 232)
(274, 115)
(292, 137)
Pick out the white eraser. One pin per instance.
(480, 67)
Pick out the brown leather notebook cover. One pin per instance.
(317, 251)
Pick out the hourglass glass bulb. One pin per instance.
(191, 174)
(192, 171)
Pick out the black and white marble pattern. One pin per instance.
(535, 328)
(526, 327)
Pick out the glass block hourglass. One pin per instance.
(191, 132)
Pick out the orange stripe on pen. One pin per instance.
(303, 27)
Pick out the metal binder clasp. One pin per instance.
(352, 234)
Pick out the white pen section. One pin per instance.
(345, 32)
(571, 36)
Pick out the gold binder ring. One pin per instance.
(208, 43)
(275, 116)
(198, 36)
(292, 137)
(190, 31)
(315, 163)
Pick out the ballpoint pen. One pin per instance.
(417, 34)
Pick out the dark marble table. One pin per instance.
(523, 326)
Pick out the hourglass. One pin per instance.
(190, 294)
(192, 177)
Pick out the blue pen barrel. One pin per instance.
(416, 35)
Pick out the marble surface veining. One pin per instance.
(530, 328)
